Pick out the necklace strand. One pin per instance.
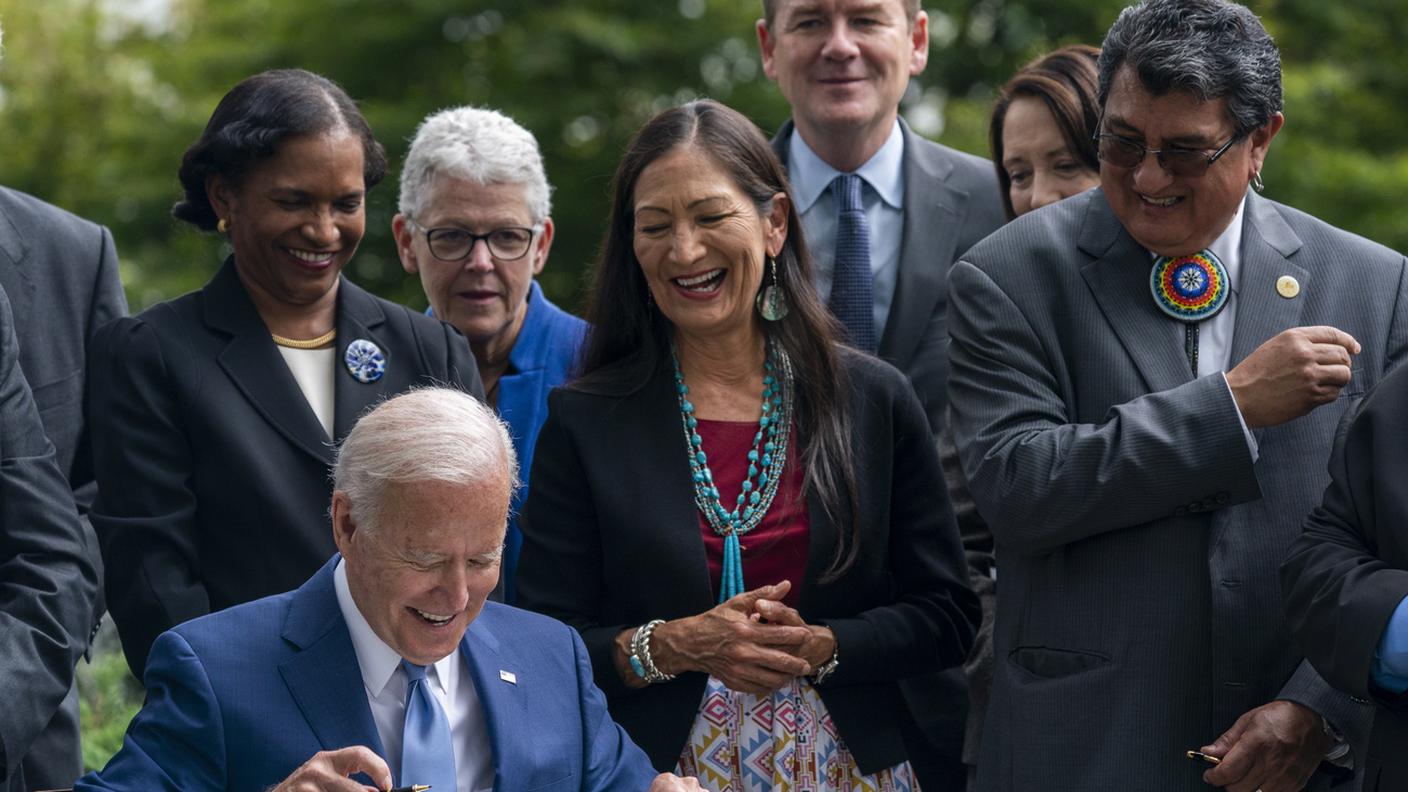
(310, 343)
(766, 459)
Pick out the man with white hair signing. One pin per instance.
(387, 668)
(475, 175)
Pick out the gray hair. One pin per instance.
(478, 144)
(1210, 48)
(426, 434)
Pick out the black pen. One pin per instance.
(411, 788)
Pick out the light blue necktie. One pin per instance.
(427, 755)
(852, 299)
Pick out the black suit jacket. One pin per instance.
(1345, 575)
(48, 580)
(611, 539)
(213, 470)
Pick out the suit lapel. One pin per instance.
(1267, 245)
(1118, 278)
(14, 278)
(255, 367)
(324, 678)
(505, 709)
(932, 210)
(358, 317)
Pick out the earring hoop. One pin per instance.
(223, 226)
(771, 302)
(1257, 183)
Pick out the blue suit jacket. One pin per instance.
(541, 359)
(239, 699)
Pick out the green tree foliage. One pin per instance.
(100, 100)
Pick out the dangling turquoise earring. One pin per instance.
(771, 303)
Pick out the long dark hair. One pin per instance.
(630, 337)
(252, 120)
(1067, 81)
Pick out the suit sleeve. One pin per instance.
(612, 762)
(145, 512)
(176, 742)
(1339, 594)
(931, 619)
(560, 568)
(109, 304)
(1043, 481)
(48, 581)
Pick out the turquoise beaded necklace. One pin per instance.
(765, 462)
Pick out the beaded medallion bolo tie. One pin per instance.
(1190, 289)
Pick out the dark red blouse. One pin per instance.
(776, 549)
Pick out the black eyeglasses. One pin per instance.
(1186, 163)
(455, 244)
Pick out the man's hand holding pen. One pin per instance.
(328, 771)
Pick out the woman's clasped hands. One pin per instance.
(752, 643)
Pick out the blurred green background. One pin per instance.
(98, 99)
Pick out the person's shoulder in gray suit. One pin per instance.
(61, 274)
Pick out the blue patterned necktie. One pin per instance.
(427, 755)
(852, 299)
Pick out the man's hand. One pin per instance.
(1291, 374)
(1273, 748)
(668, 782)
(329, 770)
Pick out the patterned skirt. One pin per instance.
(784, 742)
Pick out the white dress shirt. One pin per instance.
(313, 370)
(450, 682)
(882, 195)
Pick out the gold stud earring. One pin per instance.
(223, 226)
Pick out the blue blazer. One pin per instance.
(542, 358)
(239, 699)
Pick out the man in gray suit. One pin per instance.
(60, 272)
(1143, 458)
(843, 66)
(48, 575)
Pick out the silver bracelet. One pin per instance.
(641, 661)
(827, 668)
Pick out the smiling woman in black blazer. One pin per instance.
(743, 518)
(214, 414)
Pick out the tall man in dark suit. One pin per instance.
(61, 274)
(387, 667)
(1146, 382)
(1346, 577)
(48, 573)
(885, 213)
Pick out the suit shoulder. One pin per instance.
(237, 630)
(26, 211)
(1317, 235)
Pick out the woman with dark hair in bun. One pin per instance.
(214, 414)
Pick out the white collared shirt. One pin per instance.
(882, 194)
(385, 684)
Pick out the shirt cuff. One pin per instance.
(1247, 433)
(1390, 667)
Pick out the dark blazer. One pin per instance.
(213, 469)
(48, 579)
(951, 201)
(1140, 610)
(61, 274)
(541, 359)
(1345, 575)
(611, 539)
(240, 699)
